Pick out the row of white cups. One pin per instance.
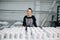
(32, 33)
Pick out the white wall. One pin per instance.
(41, 8)
(16, 5)
(45, 6)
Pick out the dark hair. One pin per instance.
(30, 9)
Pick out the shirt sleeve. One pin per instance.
(34, 21)
(24, 21)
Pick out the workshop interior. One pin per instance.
(47, 17)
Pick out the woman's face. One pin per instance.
(29, 12)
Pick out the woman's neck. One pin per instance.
(29, 15)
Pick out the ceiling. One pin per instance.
(46, 1)
(16, 0)
(41, 1)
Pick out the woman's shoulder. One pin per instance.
(33, 16)
(25, 16)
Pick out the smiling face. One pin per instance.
(29, 12)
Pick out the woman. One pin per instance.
(29, 20)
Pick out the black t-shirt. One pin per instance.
(29, 21)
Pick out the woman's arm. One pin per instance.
(24, 21)
(34, 21)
